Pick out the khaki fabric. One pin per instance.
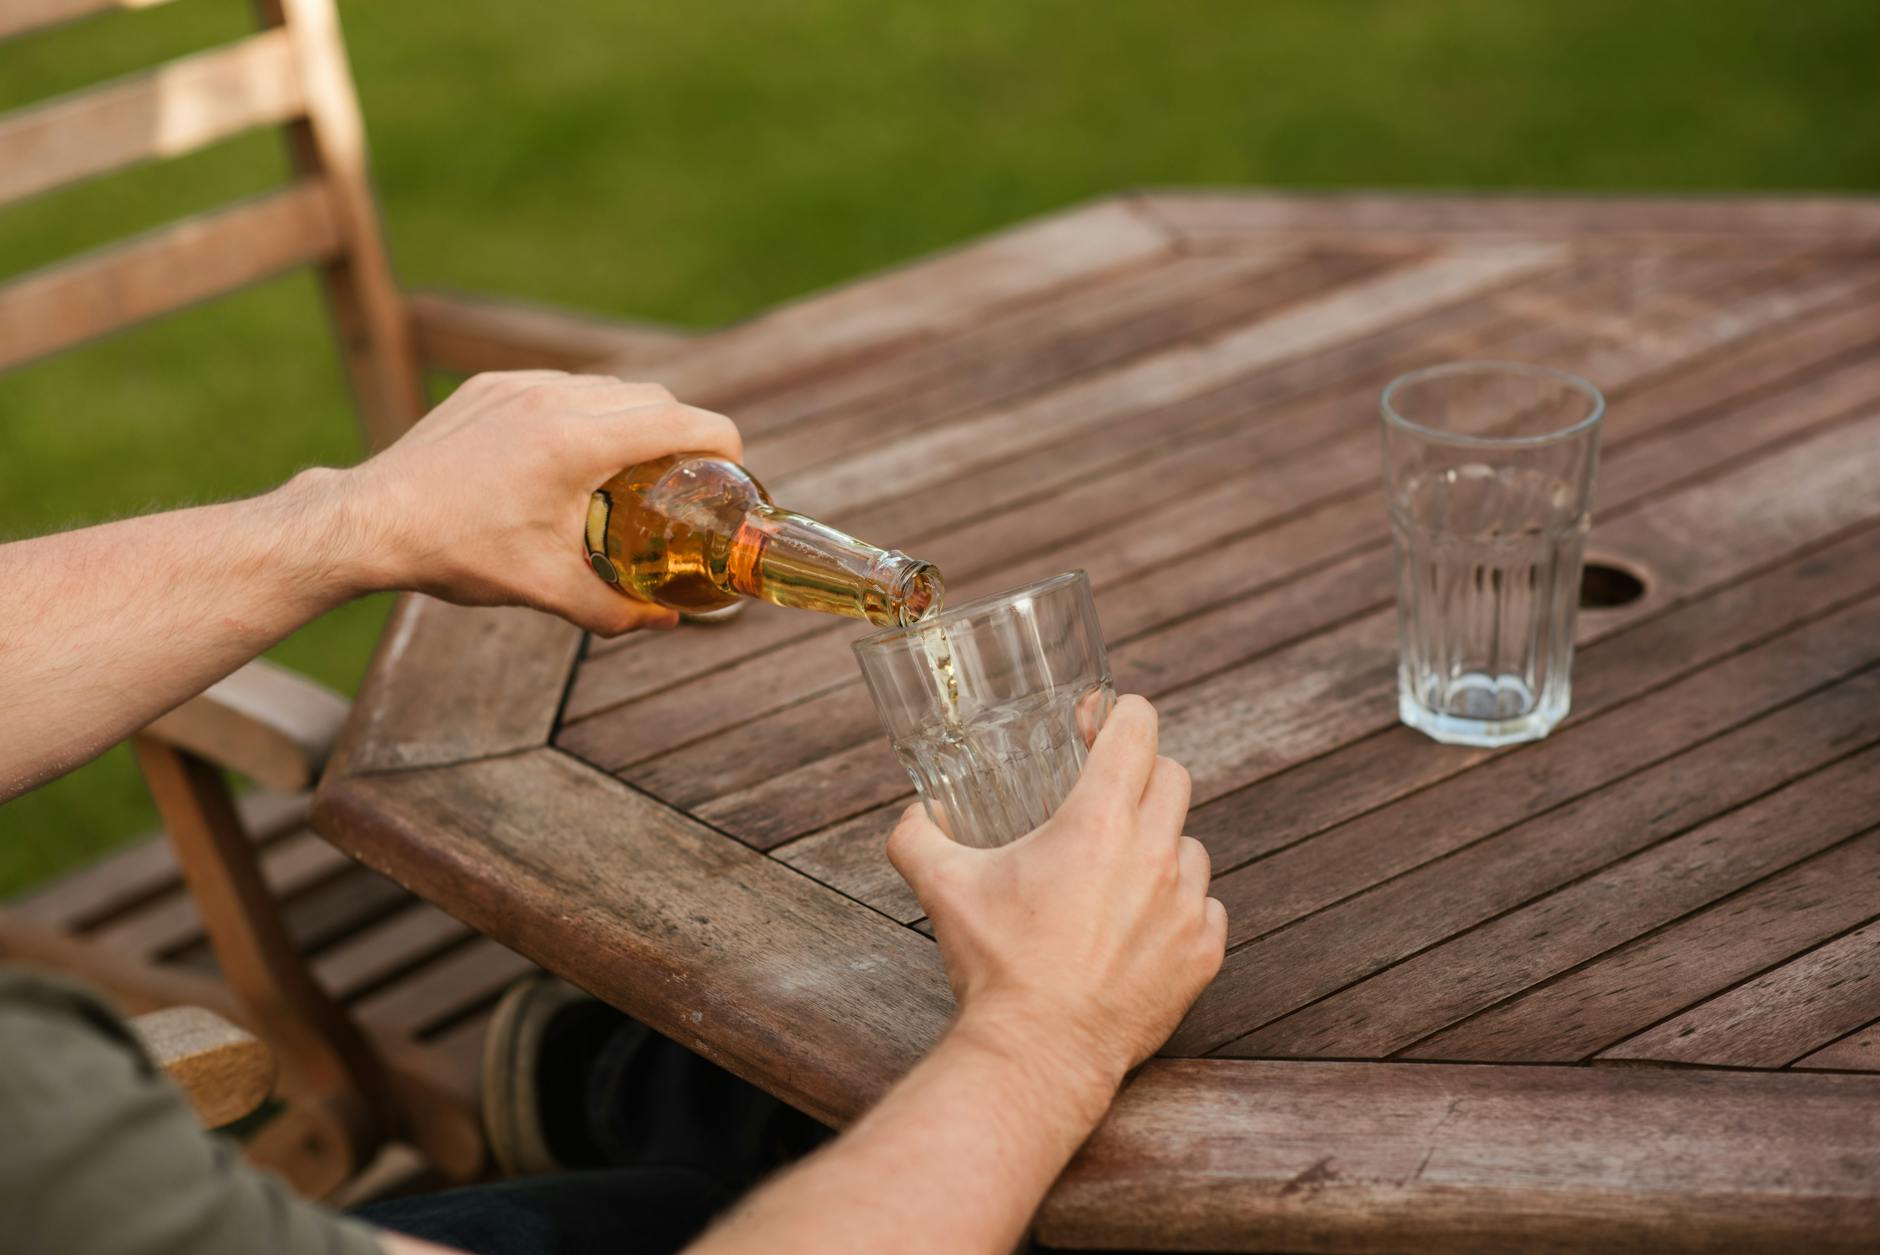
(101, 1155)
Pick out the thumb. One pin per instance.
(920, 851)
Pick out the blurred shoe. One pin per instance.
(542, 1041)
(570, 1083)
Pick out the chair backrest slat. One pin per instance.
(19, 16)
(174, 109)
(166, 269)
(294, 73)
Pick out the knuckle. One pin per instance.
(638, 395)
(1112, 823)
(539, 399)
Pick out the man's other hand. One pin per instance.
(1082, 943)
(485, 501)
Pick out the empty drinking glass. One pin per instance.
(991, 705)
(1488, 470)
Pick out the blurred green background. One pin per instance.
(695, 163)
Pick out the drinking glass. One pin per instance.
(991, 705)
(1488, 470)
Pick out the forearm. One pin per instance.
(955, 1158)
(104, 629)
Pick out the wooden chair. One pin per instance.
(226, 1072)
(347, 1090)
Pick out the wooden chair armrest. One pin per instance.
(224, 1071)
(273, 725)
(467, 334)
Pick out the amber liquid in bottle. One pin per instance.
(696, 532)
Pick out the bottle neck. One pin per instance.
(792, 560)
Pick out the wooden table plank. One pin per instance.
(670, 914)
(1200, 217)
(1663, 671)
(1246, 1156)
(918, 301)
(1249, 562)
(1288, 968)
(1344, 380)
(1116, 453)
(913, 464)
(736, 694)
(923, 517)
(1778, 1017)
(1307, 876)
(1653, 977)
(1471, 324)
(1386, 1012)
(1251, 721)
(420, 712)
(1858, 1051)
(1284, 809)
(1257, 718)
(1036, 348)
(1312, 795)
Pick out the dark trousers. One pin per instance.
(675, 1139)
(632, 1211)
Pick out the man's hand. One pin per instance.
(1086, 940)
(485, 501)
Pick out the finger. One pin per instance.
(1120, 759)
(1195, 867)
(1165, 799)
(508, 382)
(640, 433)
(1090, 712)
(613, 621)
(601, 394)
(511, 378)
(589, 603)
(1216, 916)
(917, 849)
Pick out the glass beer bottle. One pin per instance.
(696, 532)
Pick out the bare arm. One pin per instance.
(1073, 953)
(104, 629)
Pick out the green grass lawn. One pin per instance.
(696, 163)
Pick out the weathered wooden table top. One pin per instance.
(1620, 988)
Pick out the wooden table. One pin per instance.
(1616, 990)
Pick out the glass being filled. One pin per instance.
(992, 705)
(698, 533)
